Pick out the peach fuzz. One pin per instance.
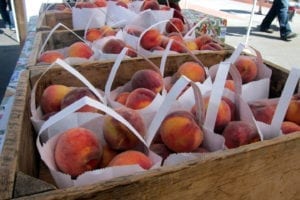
(76, 94)
(77, 150)
(180, 133)
(192, 70)
(117, 135)
(151, 39)
(140, 98)
(288, 127)
(107, 155)
(52, 97)
(147, 78)
(174, 25)
(80, 49)
(238, 133)
(131, 157)
(50, 56)
(247, 68)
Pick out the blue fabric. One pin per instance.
(279, 9)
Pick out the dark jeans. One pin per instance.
(4, 11)
(279, 9)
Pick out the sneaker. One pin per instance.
(267, 30)
(289, 36)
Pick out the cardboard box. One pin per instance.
(261, 170)
(213, 25)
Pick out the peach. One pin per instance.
(150, 4)
(203, 39)
(76, 94)
(212, 46)
(192, 70)
(288, 127)
(161, 150)
(122, 97)
(191, 45)
(107, 155)
(107, 30)
(292, 113)
(50, 56)
(151, 39)
(122, 3)
(262, 111)
(100, 3)
(93, 34)
(229, 84)
(85, 5)
(174, 25)
(180, 133)
(247, 68)
(52, 97)
(232, 107)
(147, 78)
(117, 135)
(77, 150)
(113, 46)
(131, 157)
(140, 98)
(223, 116)
(178, 44)
(134, 32)
(238, 133)
(80, 49)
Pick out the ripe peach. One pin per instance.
(77, 150)
(107, 30)
(229, 84)
(180, 133)
(140, 98)
(263, 111)
(80, 49)
(288, 127)
(113, 46)
(292, 113)
(191, 70)
(178, 44)
(191, 45)
(50, 56)
(76, 94)
(223, 115)
(151, 39)
(147, 78)
(232, 107)
(212, 46)
(131, 157)
(122, 3)
(117, 135)
(100, 3)
(122, 97)
(203, 39)
(52, 97)
(150, 4)
(93, 34)
(247, 68)
(107, 155)
(174, 25)
(238, 133)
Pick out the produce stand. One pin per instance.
(270, 166)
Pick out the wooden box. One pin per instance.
(47, 20)
(263, 170)
(64, 38)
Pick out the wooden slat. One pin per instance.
(21, 19)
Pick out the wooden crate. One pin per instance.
(47, 20)
(262, 170)
(64, 38)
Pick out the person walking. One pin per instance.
(4, 4)
(279, 9)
